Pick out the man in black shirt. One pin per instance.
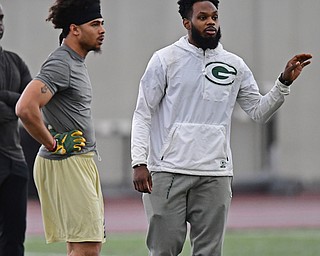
(14, 76)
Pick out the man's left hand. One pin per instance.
(294, 66)
(67, 142)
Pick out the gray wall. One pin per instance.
(265, 33)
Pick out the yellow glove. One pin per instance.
(67, 142)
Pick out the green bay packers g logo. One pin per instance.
(220, 73)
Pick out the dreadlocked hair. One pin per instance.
(185, 6)
(61, 11)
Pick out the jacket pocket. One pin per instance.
(195, 147)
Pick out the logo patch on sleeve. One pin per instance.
(220, 73)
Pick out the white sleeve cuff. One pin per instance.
(284, 89)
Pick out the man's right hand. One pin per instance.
(142, 179)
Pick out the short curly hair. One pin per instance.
(185, 6)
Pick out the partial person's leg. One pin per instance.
(5, 164)
(208, 206)
(166, 211)
(72, 202)
(84, 249)
(13, 200)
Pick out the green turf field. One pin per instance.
(237, 243)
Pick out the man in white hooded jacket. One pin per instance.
(181, 155)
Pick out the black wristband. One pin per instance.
(138, 165)
(284, 81)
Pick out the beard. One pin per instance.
(91, 48)
(97, 50)
(205, 42)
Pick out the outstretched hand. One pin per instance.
(294, 66)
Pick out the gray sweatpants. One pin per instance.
(176, 199)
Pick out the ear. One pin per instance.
(187, 24)
(74, 29)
